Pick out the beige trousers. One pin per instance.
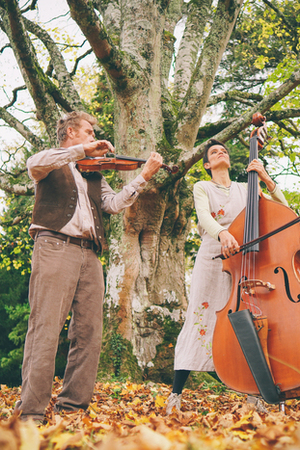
(65, 277)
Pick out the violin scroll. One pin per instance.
(170, 169)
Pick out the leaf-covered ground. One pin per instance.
(128, 416)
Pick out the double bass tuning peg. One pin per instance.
(258, 120)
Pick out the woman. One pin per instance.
(217, 203)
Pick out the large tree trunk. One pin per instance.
(149, 248)
(145, 282)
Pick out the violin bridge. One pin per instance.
(249, 286)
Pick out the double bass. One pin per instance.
(256, 341)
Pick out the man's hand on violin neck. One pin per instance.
(98, 148)
(152, 165)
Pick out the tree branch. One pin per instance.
(16, 189)
(4, 47)
(195, 102)
(120, 68)
(294, 132)
(88, 52)
(275, 116)
(209, 130)
(68, 98)
(173, 15)
(188, 159)
(198, 12)
(15, 95)
(16, 220)
(38, 84)
(111, 14)
(234, 95)
(31, 7)
(22, 129)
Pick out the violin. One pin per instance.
(116, 162)
(256, 339)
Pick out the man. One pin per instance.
(66, 273)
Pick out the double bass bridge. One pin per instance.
(248, 286)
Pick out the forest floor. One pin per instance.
(128, 416)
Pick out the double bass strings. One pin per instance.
(251, 231)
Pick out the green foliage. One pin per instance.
(16, 244)
(14, 312)
(162, 367)
(18, 317)
(293, 199)
(118, 347)
(262, 53)
(262, 39)
(117, 361)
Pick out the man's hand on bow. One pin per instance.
(98, 148)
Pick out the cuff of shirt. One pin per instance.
(274, 190)
(139, 183)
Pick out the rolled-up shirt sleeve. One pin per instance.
(278, 196)
(42, 163)
(113, 202)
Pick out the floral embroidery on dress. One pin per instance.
(219, 214)
(203, 328)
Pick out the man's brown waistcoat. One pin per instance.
(56, 199)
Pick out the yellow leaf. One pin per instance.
(64, 440)
(132, 386)
(160, 401)
(244, 420)
(244, 435)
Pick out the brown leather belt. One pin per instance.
(84, 243)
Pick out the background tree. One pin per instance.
(235, 58)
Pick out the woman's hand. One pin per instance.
(229, 244)
(258, 167)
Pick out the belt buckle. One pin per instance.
(84, 243)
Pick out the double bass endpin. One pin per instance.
(282, 407)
